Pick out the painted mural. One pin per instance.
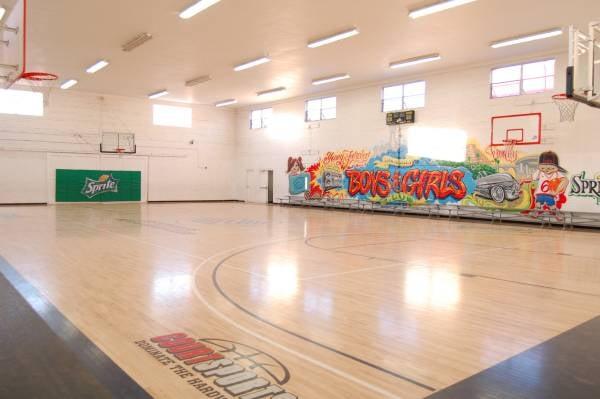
(491, 178)
(586, 186)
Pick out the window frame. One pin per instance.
(383, 99)
(522, 92)
(321, 118)
(263, 125)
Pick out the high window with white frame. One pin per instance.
(321, 109)
(516, 80)
(168, 115)
(260, 118)
(404, 96)
(21, 102)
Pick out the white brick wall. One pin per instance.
(31, 148)
(455, 99)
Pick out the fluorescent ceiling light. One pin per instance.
(196, 8)
(527, 38)
(437, 7)
(68, 84)
(97, 66)
(197, 81)
(2, 12)
(330, 79)
(334, 38)
(272, 91)
(226, 103)
(415, 61)
(136, 41)
(157, 94)
(252, 64)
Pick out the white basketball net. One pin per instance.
(566, 107)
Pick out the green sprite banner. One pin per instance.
(98, 185)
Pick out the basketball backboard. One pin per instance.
(521, 129)
(583, 73)
(12, 48)
(118, 143)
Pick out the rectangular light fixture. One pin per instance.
(68, 84)
(197, 81)
(252, 64)
(196, 8)
(330, 79)
(97, 66)
(271, 91)
(158, 94)
(527, 38)
(334, 38)
(136, 41)
(225, 103)
(415, 61)
(2, 12)
(437, 7)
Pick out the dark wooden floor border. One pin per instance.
(564, 367)
(116, 381)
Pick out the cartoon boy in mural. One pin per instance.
(298, 179)
(550, 183)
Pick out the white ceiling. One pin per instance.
(66, 36)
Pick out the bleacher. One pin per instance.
(451, 211)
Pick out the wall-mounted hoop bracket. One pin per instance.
(6, 66)
(9, 29)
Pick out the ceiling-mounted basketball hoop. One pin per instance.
(14, 59)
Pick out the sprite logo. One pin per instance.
(105, 184)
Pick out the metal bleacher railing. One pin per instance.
(451, 211)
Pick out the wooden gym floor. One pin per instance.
(317, 303)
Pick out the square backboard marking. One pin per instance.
(515, 135)
(12, 57)
(116, 143)
(524, 129)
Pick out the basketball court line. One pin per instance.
(258, 336)
(295, 334)
(446, 257)
(536, 285)
(396, 262)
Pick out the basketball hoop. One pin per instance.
(566, 106)
(39, 76)
(42, 82)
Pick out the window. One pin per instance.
(166, 115)
(21, 102)
(321, 109)
(260, 118)
(516, 80)
(406, 96)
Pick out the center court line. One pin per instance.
(322, 365)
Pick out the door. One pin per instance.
(257, 186)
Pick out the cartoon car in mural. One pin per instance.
(498, 187)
